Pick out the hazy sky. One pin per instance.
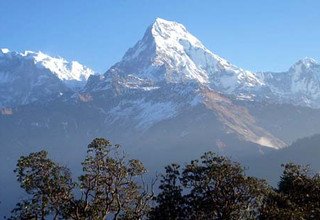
(253, 34)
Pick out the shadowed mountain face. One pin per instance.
(168, 100)
(304, 151)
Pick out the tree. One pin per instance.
(48, 184)
(219, 189)
(113, 187)
(170, 200)
(110, 185)
(210, 188)
(297, 196)
(279, 206)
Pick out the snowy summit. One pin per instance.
(169, 53)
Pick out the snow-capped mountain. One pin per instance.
(300, 85)
(167, 73)
(31, 76)
(169, 53)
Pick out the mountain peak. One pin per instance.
(37, 71)
(162, 25)
(308, 60)
(169, 53)
(162, 54)
(4, 50)
(170, 33)
(72, 73)
(160, 22)
(304, 63)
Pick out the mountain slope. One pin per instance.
(304, 151)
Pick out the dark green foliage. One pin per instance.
(220, 190)
(109, 183)
(278, 206)
(171, 203)
(48, 184)
(298, 196)
(212, 188)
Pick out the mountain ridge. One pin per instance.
(34, 76)
(168, 53)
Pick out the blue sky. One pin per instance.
(255, 35)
